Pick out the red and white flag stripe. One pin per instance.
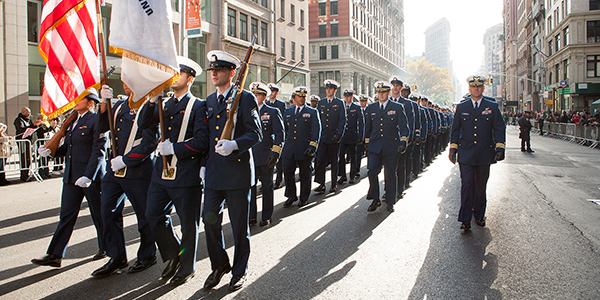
(69, 45)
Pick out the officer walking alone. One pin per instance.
(353, 135)
(524, 134)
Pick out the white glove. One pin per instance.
(106, 93)
(117, 163)
(155, 99)
(165, 148)
(83, 182)
(44, 152)
(202, 173)
(225, 147)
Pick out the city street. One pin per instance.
(541, 241)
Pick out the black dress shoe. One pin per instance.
(333, 189)
(384, 195)
(236, 282)
(374, 205)
(400, 195)
(480, 222)
(252, 222)
(523, 150)
(215, 277)
(181, 279)
(530, 151)
(99, 255)
(171, 268)
(466, 225)
(278, 185)
(290, 201)
(48, 260)
(342, 180)
(320, 189)
(110, 267)
(141, 265)
(352, 181)
(390, 208)
(357, 176)
(265, 222)
(302, 203)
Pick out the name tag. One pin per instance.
(465, 114)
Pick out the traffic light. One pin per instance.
(521, 98)
(490, 81)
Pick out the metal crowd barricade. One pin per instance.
(582, 135)
(51, 163)
(20, 158)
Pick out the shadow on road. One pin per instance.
(307, 270)
(457, 265)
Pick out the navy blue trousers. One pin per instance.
(114, 193)
(327, 154)
(279, 172)
(289, 167)
(265, 175)
(238, 202)
(389, 163)
(416, 160)
(186, 201)
(401, 172)
(350, 149)
(409, 163)
(360, 151)
(472, 191)
(72, 196)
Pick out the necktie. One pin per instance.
(75, 123)
(381, 107)
(297, 110)
(220, 100)
(477, 105)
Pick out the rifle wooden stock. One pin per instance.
(161, 121)
(236, 93)
(54, 142)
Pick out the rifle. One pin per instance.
(237, 94)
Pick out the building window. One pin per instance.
(301, 52)
(263, 34)
(549, 23)
(302, 18)
(593, 31)
(557, 40)
(264, 3)
(292, 13)
(282, 47)
(566, 69)
(322, 30)
(566, 34)
(322, 7)
(593, 66)
(264, 74)
(321, 84)
(282, 10)
(254, 27)
(231, 22)
(334, 7)
(33, 24)
(323, 52)
(334, 30)
(550, 48)
(557, 72)
(293, 48)
(594, 4)
(243, 27)
(335, 52)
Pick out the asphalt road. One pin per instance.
(542, 240)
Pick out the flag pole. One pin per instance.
(111, 121)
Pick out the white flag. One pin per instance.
(142, 33)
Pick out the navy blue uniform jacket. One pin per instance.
(303, 130)
(138, 160)
(355, 125)
(84, 148)
(271, 122)
(333, 119)
(385, 130)
(194, 145)
(235, 171)
(478, 134)
(280, 105)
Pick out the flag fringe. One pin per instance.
(69, 105)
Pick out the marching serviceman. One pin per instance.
(353, 135)
(280, 105)
(302, 134)
(386, 136)
(314, 101)
(266, 153)
(478, 135)
(417, 158)
(128, 173)
(186, 141)
(403, 170)
(416, 139)
(84, 147)
(333, 124)
(360, 148)
(230, 171)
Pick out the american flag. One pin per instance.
(69, 45)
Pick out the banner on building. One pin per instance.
(142, 33)
(193, 19)
(69, 46)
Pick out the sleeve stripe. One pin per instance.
(191, 148)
